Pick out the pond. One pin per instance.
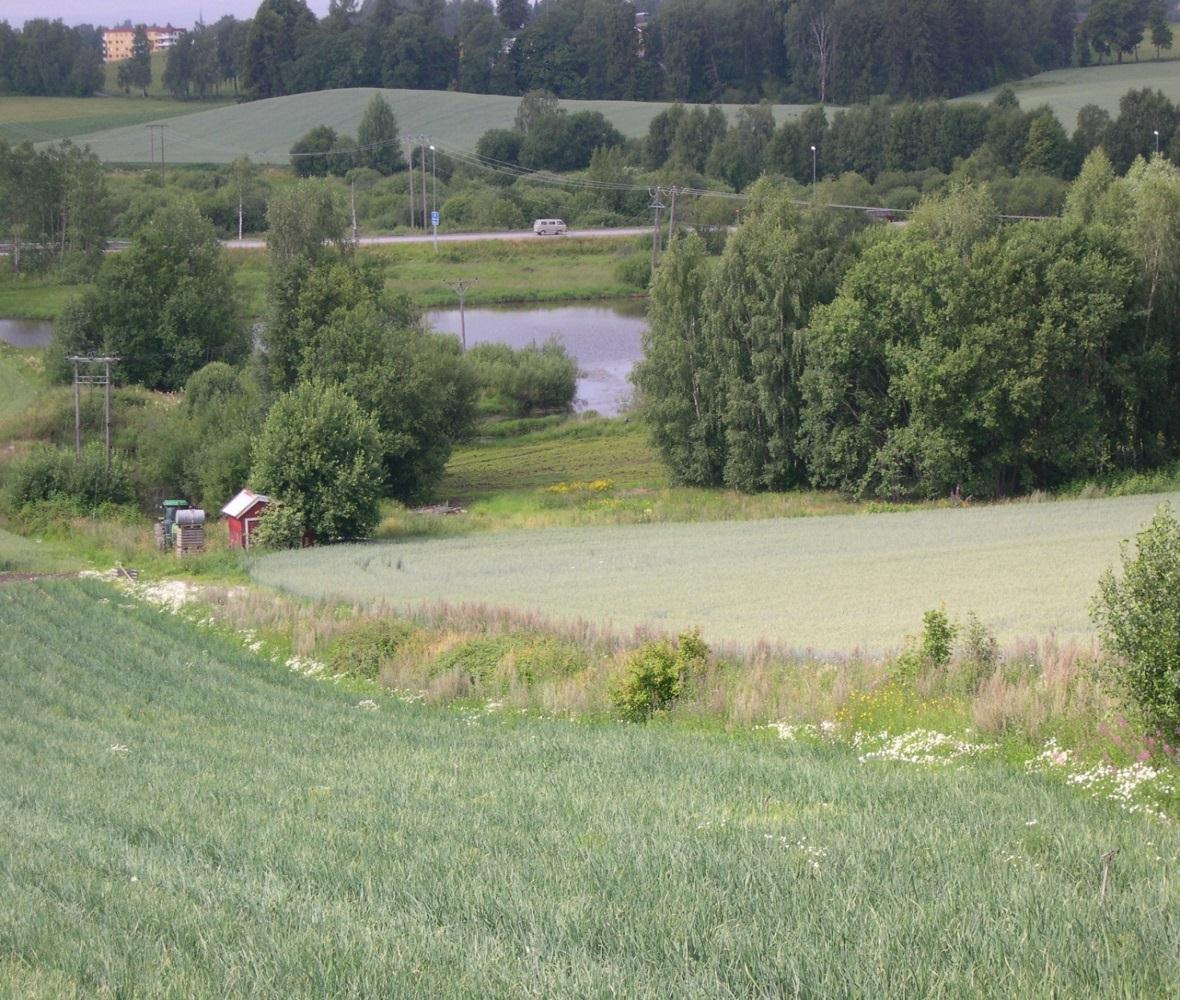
(25, 332)
(605, 338)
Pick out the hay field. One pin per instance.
(824, 583)
(266, 130)
(183, 818)
(1066, 91)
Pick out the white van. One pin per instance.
(550, 227)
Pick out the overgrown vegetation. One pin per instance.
(1138, 616)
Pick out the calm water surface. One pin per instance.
(25, 332)
(605, 338)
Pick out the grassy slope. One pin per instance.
(615, 448)
(266, 130)
(45, 119)
(1066, 91)
(182, 818)
(827, 583)
(20, 380)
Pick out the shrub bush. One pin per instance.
(55, 474)
(635, 269)
(496, 662)
(1138, 619)
(367, 646)
(281, 527)
(526, 380)
(656, 674)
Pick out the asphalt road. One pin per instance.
(516, 234)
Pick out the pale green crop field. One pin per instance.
(266, 130)
(182, 818)
(824, 583)
(1067, 91)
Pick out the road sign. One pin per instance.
(434, 218)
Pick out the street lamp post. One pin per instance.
(813, 171)
(1157, 141)
(434, 196)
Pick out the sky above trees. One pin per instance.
(182, 13)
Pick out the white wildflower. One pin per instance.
(922, 746)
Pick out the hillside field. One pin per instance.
(1067, 91)
(825, 583)
(48, 119)
(266, 130)
(184, 818)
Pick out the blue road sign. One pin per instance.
(434, 218)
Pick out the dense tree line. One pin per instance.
(53, 206)
(958, 353)
(48, 59)
(733, 51)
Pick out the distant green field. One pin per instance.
(827, 583)
(185, 819)
(266, 130)
(1067, 91)
(46, 119)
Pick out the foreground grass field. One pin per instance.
(266, 130)
(183, 818)
(830, 583)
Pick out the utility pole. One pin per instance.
(434, 196)
(425, 215)
(352, 188)
(672, 218)
(151, 132)
(655, 233)
(460, 288)
(412, 205)
(92, 380)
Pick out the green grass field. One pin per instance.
(183, 818)
(20, 379)
(1066, 91)
(827, 583)
(266, 130)
(48, 119)
(523, 271)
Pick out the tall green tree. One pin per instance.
(514, 14)
(305, 226)
(378, 138)
(277, 31)
(336, 484)
(166, 305)
(137, 70)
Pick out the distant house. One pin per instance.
(242, 515)
(116, 42)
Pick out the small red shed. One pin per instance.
(242, 515)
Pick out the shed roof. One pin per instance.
(242, 503)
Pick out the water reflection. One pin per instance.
(25, 332)
(605, 338)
